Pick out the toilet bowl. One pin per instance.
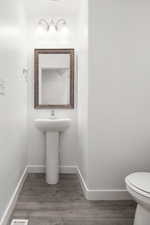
(138, 185)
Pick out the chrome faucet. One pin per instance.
(53, 113)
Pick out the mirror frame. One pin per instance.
(37, 52)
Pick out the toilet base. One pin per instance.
(142, 216)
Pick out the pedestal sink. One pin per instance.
(52, 128)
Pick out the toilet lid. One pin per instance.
(140, 180)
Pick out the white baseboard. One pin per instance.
(12, 203)
(41, 169)
(108, 195)
(82, 182)
(68, 169)
(36, 168)
(99, 194)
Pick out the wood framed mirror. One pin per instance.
(54, 78)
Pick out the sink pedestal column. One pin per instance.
(52, 157)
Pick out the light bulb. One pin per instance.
(64, 30)
(40, 30)
(42, 26)
(52, 29)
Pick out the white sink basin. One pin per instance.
(53, 125)
(52, 128)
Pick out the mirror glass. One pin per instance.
(54, 78)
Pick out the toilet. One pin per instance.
(138, 185)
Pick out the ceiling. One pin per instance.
(51, 8)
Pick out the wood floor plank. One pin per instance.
(64, 204)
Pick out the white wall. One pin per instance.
(36, 141)
(13, 157)
(119, 91)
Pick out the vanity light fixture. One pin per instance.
(52, 25)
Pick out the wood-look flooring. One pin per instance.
(64, 204)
